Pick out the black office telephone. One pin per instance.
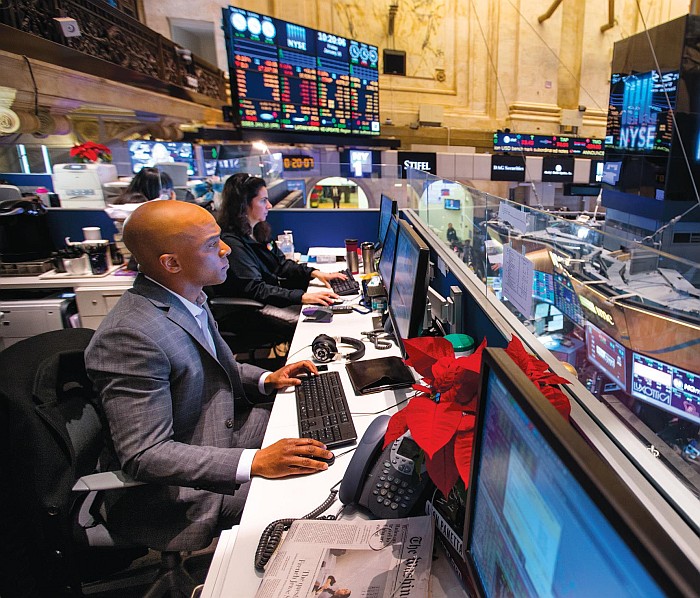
(389, 483)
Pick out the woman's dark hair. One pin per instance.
(148, 183)
(238, 193)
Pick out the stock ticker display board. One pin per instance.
(288, 77)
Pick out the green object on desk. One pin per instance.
(463, 344)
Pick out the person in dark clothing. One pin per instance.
(258, 269)
(451, 233)
(147, 184)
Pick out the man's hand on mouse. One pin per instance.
(290, 456)
(323, 297)
(287, 376)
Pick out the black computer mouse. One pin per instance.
(317, 313)
(329, 461)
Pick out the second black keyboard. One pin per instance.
(322, 410)
(345, 287)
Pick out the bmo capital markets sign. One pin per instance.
(423, 161)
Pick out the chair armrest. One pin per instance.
(108, 480)
(235, 302)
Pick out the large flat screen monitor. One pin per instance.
(386, 260)
(149, 153)
(666, 387)
(387, 208)
(546, 516)
(288, 77)
(409, 284)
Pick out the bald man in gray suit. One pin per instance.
(184, 417)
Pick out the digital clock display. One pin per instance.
(298, 162)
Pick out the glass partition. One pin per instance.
(623, 315)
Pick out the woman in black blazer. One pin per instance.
(258, 269)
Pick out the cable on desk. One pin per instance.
(297, 351)
(272, 534)
(382, 410)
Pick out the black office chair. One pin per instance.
(52, 536)
(243, 327)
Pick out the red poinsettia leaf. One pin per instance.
(467, 423)
(558, 400)
(463, 453)
(551, 378)
(431, 424)
(397, 427)
(90, 155)
(442, 468)
(517, 353)
(75, 150)
(424, 351)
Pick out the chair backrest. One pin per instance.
(50, 435)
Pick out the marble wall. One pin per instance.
(487, 64)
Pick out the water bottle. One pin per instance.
(286, 246)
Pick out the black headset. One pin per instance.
(325, 349)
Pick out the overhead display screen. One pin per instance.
(291, 78)
(548, 144)
(666, 386)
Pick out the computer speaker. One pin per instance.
(394, 62)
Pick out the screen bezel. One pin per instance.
(420, 285)
(387, 208)
(382, 258)
(646, 539)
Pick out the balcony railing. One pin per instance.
(111, 35)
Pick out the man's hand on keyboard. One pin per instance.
(326, 277)
(319, 298)
(290, 456)
(286, 376)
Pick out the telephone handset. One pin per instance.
(386, 482)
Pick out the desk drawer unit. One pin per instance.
(95, 302)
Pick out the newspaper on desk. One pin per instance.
(382, 558)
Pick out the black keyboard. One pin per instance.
(345, 287)
(322, 410)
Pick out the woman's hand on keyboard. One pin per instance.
(290, 456)
(326, 277)
(319, 298)
(287, 376)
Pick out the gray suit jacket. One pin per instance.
(169, 404)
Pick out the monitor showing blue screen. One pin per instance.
(386, 261)
(546, 516)
(566, 300)
(149, 153)
(387, 208)
(543, 287)
(409, 285)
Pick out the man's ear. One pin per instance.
(170, 262)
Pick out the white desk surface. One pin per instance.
(34, 282)
(268, 500)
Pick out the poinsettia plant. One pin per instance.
(91, 152)
(441, 417)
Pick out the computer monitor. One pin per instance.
(149, 153)
(409, 285)
(387, 208)
(546, 516)
(386, 260)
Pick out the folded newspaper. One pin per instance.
(382, 558)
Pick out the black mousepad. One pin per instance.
(374, 375)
